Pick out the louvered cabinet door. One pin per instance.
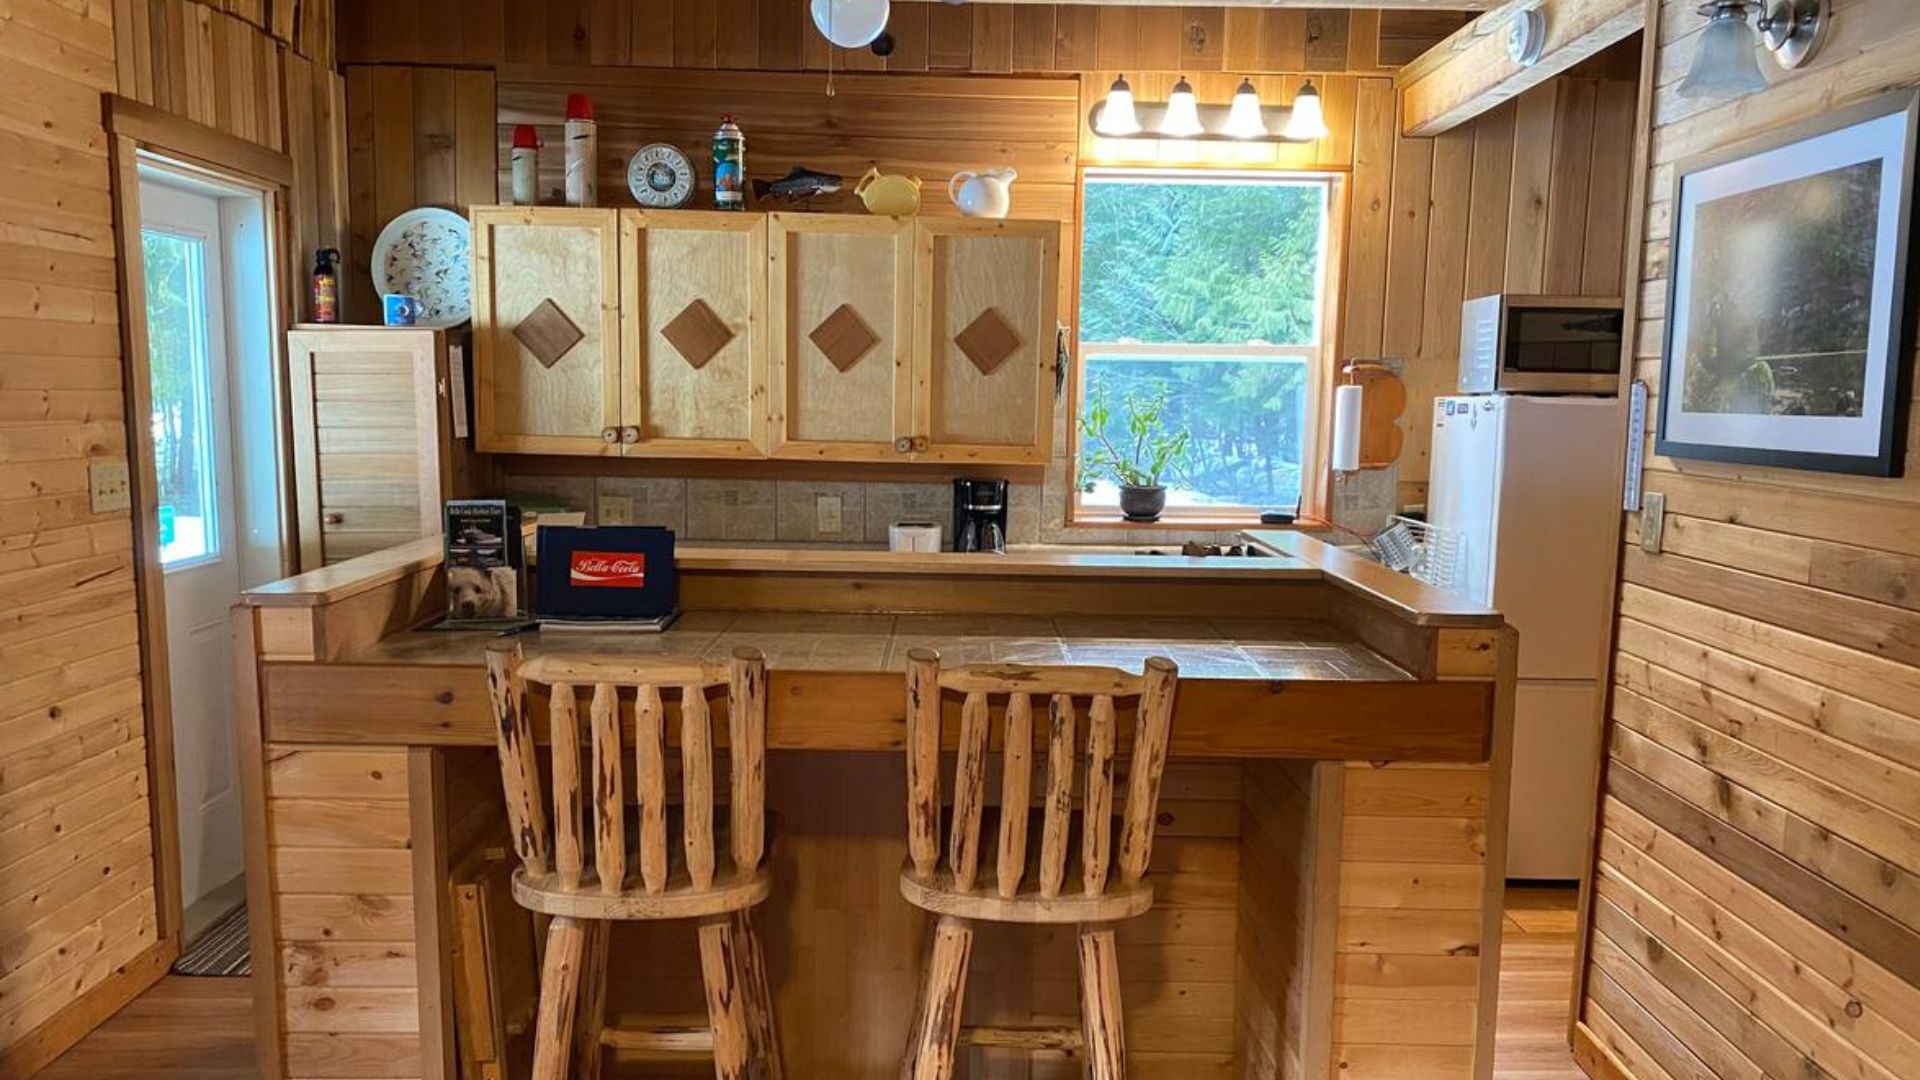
(841, 302)
(546, 329)
(370, 457)
(694, 353)
(985, 322)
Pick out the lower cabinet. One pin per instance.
(832, 337)
(375, 450)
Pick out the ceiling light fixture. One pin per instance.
(1724, 64)
(1182, 118)
(1116, 117)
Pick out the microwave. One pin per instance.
(1526, 344)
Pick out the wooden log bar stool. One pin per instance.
(1023, 889)
(586, 879)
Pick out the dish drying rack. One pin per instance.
(1428, 552)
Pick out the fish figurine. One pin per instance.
(799, 183)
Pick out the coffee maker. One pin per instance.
(980, 515)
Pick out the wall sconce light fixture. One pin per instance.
(1724, 64)
(1184, 116)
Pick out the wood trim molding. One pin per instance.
(432, 910)
(176, 136)
(1592, 1055)
(1470, 72)
(38, 1049)
(263, 915)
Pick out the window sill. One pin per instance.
(1098, 520)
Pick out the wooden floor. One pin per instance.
(201, 1029)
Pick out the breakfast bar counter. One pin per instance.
(1327, 879)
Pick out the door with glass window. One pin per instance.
(198, 528)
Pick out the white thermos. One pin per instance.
(583, 151)
(525, 158)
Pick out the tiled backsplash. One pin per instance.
(788, 511)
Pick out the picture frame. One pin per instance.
(1789, 333)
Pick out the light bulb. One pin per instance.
(1723, 62)
(1306, 121)
(1117, 116)
(1243, 119)
(1182, 119)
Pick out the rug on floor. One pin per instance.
(223, 951)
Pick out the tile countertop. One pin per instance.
(1262, 649)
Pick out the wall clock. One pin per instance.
(660, 176)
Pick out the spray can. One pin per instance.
(326, 285)
(729, 166)
(526, 165)
(583, 145)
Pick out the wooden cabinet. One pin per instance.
(374, 446)
(831, 337)
(985, 360)
(841, 299)
(693, 288)
(546, 327)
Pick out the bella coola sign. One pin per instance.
(607, 570)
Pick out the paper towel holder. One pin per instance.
(1367, 401)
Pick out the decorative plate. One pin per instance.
(427, 253)
(660, 176)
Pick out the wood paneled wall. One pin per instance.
(79, 931)
(778, 35)
(1756, 906)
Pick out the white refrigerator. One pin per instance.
(1529, 485)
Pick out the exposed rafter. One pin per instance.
(1376, 5)
(1470, 72)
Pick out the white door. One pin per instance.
(187, 331)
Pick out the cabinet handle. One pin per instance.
(903, 445)
(332, 517)
(919, 443)
(630, 435)
(610, 435)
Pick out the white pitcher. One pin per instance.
(982, 193)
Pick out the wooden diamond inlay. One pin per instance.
(843, 338)
(547, 333)
(988, 341)
(697, 334)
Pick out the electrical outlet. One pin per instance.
(616, 509)
(826, 513)
(112, 489)
(1653, 520)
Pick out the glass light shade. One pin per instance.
(1117, 116)
(1307, 121)
(1243, 119)
(1182, 119)
(1724, 64)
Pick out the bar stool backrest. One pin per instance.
(602, 678)
(1019, 685)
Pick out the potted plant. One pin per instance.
(1136, 466)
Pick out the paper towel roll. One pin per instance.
(1347, 401)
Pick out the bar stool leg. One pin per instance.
(591, 1018)
(932, 1043)
(726, 1007)
(559, 995)
(762, 1036)
(1100, 1019)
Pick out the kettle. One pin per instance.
(982, 193)
(892, 195)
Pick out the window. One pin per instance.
(1203, 300)
(183, 433)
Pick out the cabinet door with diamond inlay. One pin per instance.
(984, 298)
(841, 303)
(546, 329)
(694, 356)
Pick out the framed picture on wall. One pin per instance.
(1788, 331)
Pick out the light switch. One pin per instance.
(826, 513)
(111, 488)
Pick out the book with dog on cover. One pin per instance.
(486, 565)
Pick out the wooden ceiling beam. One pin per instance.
(1470, 72)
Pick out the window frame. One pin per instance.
(1315, 471)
